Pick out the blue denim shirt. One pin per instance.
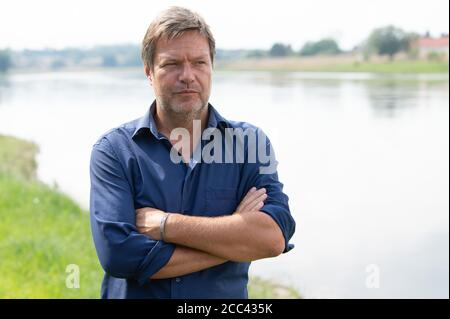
(131, 168)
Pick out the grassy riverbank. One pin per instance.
(43, 231)
(338, 63)
(344, 63)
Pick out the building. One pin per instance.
(426, 46)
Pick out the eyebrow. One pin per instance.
(166, 58)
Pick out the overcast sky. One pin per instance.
(235, 23)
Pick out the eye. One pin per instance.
(201, 62)
(169, 64)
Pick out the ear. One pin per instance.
(148, 74)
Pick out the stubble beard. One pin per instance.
(180, 115)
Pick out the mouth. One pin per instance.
(186, 92)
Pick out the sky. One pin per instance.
(236, 24)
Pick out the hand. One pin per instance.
(148, 221)
(253, 200)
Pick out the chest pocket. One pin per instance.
(220, 201)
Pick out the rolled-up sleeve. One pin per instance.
(261, 174)
(123, 252)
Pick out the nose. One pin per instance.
(187, 74)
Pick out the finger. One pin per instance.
(243, 201)
(249, 194)
(261, 196)
(257, 207)
(257, 203)
(250, 198)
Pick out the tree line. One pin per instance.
(385, 41)
(388, 41)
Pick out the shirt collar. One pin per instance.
(215, 120)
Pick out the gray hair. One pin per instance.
(172, 23)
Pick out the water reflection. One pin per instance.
(390, 98)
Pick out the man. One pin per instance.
(182, 229)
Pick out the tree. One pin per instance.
(5, 60)
(388, 41)
(279, 49)
(324, 46)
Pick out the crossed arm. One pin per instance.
(204, 242)
(193, 243)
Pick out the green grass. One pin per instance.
(43, 231)
(389, 67)
(266, 289)
(334, 64)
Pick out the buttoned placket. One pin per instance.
(185, 196)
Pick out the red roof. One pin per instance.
(432, 42)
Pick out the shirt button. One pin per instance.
(177, 279)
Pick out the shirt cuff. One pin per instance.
(156, 259)
(284, 221)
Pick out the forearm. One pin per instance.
(186, 260)
(238, 237)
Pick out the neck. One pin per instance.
(168, 121)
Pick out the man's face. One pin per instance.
(181, 76)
